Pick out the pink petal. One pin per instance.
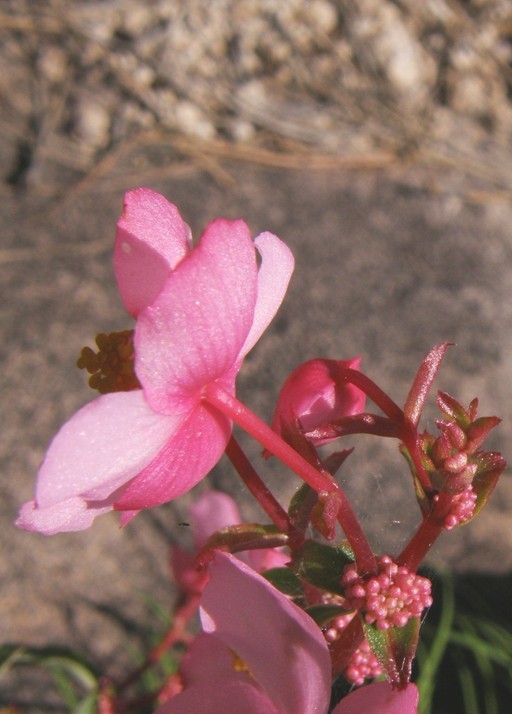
(221, 697)
(315, 395)
(70, 515)
(281, 645)
(192, 334)
(380, 698)
(209, 660)
(262, 559)
(275, 271)
(212, 511)
(151, 240)
(191, 452)
(102, 447)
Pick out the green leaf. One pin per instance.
(431, 663)
(284, 580)
(247, 536)
(322, 565)
(395, 649)
(89, 705)
(323, 614)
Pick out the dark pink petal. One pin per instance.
(151, 240)
(380, 698)
(221, 697)
(191, 452)
(275, 271)
(315, 394)
(194, 331)
(212, 511)
(281, 645)
(102, 447)
(70, 515)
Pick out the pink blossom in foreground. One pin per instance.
(264, 652)
(199, 311)
(315, 395)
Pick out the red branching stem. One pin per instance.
(320, 482)
(420, 544)
(252, 480)
(427, 533)
(411, 441)
(376, 394)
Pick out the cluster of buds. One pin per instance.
(363, 664)
(388, 599)
(456, 465)
(462, 508)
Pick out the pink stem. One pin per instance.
(261, 493)
(320, 482)
(427, 533)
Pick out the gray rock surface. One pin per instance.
(396, 204)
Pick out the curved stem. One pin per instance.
(261, 493)
(376, 394)
(321, 482)
(419, 545)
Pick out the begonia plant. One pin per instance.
(293, 606)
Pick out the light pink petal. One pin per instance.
(151, 240)
(221, 697)
(192, 334)
(380, 698)
(70, 515)
(187, 457)
(281, 645)
(315, 394)
(102, 447)
(209, 660)
(262, 559)
(212, 511)
(274, 275)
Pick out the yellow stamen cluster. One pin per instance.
(112, 366)
(239, 665)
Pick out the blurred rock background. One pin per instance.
(373, 136)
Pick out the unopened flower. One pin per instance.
(316, 394)
(462, 508)
(199, 311)
(390, 598)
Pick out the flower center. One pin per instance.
(112, 366)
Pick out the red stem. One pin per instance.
(320, 482)
(378, 397)
(261, 493)
(420, 544)
(427, 533)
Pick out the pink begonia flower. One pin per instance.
(314, 394)
(211, 512)
(199, 311)
(262, 654)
